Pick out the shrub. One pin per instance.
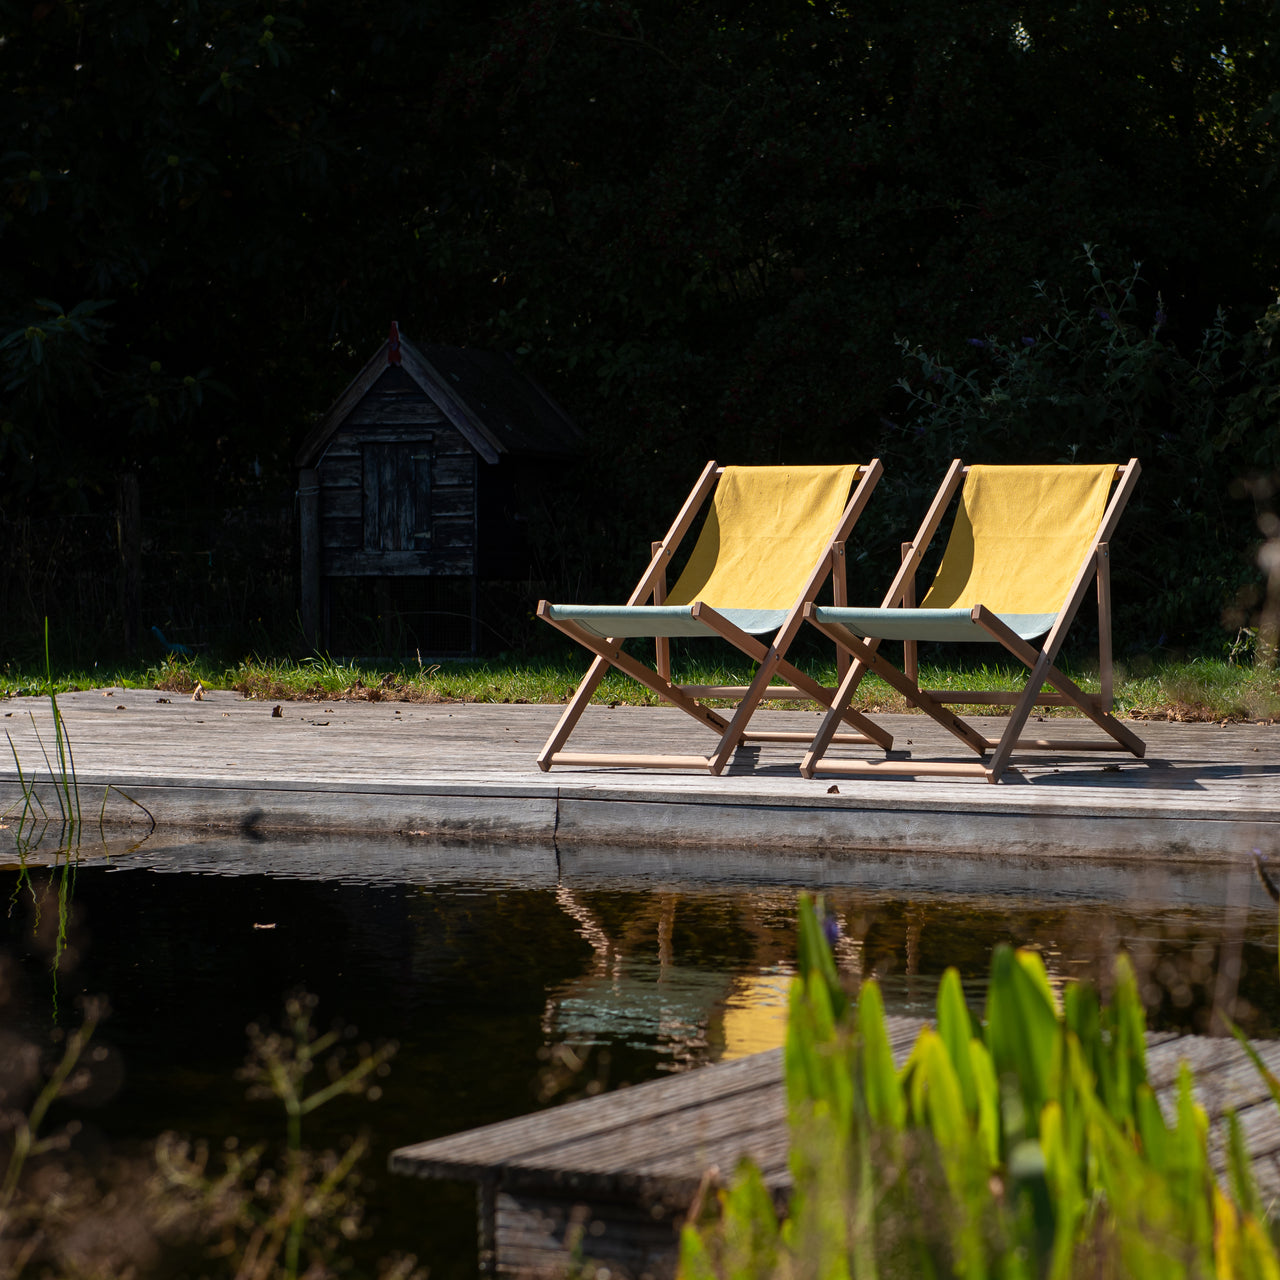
(1027, 1144)
(1101, 379)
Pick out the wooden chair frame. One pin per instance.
(1095, 567)
(771, 657)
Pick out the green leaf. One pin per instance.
(883, 1089)
(987, 1088)
(1151, 1127)
(750, 1226)
(1268, 1076)
(956, 1029)
(813, 953)
(1022, 1028)
(695, 1262)
(1240, 1169)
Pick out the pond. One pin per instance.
(516, 977)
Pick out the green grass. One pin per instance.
(1198, 689)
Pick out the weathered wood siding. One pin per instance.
(397, 488)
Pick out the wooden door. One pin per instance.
(397, 495)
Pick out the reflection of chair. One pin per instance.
(771, 539)
(1024, 547)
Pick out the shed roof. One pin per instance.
(498, 408)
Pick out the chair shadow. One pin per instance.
(1128, 775)
(1140, 775)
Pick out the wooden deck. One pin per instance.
(613, 1176)
(1204, 792)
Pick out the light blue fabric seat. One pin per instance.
(621, 621)
(929, 624)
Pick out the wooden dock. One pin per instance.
(1204, 792)
(610, 1178)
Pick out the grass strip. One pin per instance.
(1199, 689)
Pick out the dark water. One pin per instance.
(481, 961)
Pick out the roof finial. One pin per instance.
(393, 344)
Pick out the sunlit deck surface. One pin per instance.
(613, 1176)
(1203, 792)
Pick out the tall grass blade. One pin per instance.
(29, 795)
(66, 777)
(53, 773)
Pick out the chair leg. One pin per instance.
(609, 653)
(1017, 719)
(771, 664)
(840, 598)
(661, 645)
(831, 721)
(1033, 659)
(573, 711)
(869, 659)
(1043, 671)
(910, 648)
(1105, 672)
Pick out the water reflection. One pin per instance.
(516, 976)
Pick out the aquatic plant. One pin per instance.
(281, 1218)
(66, 789)
(1027, 1144)
(255, 1213)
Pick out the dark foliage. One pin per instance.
(702, 227)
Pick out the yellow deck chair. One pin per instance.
(772, 537)
(1025, 545)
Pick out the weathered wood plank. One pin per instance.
(450, 470)
(453, 533)
(670, 1152)
(1203, 799)
(547, 1131)
(453, 502)
(540, 1236)
(344, 472)
(448, 502)
(340, 562)
(406, 412)
(337, 534)
(673, 1129)
(444, 439)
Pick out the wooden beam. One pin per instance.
(910, 648)
(129, 546)
(906, 768)
(1106, 675)
(309, 544)
(1086, 703)
(661, 644)
(871, 660)
(624, 760)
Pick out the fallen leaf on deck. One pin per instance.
(833, 790)
(277, 712)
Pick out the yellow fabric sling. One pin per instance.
(1019, 537)
(761, 540)
(763, 535)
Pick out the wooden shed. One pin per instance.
(416, 470)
